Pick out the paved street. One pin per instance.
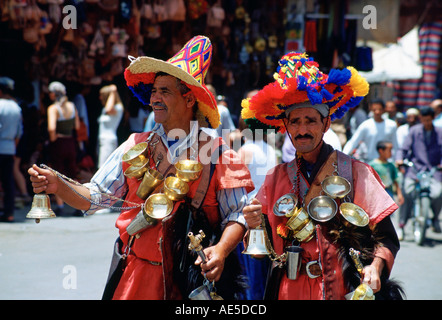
(68, 258)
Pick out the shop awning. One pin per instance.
(396, 61)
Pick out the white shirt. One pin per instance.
(263, 159)
(370, 133)
(108, 123)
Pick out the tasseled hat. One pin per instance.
(190, 65)
(299, 83)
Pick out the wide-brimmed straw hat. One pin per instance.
(299, 83)
(190, 65)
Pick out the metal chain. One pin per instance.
(280, 259)
(63, 178)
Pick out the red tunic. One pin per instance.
(148, 272)
(331, 284)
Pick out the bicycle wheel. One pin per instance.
(420, 226)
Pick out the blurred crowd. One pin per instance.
(59, 133)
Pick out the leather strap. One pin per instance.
(345, 170)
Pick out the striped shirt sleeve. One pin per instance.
(109, 179)
(231, 203)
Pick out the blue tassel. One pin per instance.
(314, 96)
(326, 95)
(339, 77)
(143, 92)
(302, 83)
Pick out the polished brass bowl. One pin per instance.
(336, 187)
(152, 178)
(136, 156)
(298, 220)
(136, 172)
(188, 170)
(175, 189)
(285, 205)
(306, 233)
(354, 214)
(322, 208)
(157, 207)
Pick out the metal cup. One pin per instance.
(293, 261)
(200, 293)
(152, 178)
(139, 223)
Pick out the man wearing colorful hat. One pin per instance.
(303, 101)
(184, 108)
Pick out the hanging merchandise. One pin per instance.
(364, 59)
(310, 39)
(96, 44)
(197, 8)
(125, 10)
(176, 10)
(109, 5)
(215, 16)
(119, 38)
(147, 10)
(160, 10)
(55, 10)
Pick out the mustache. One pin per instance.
(300, 136)
(157, 104)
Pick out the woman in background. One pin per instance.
(109, 121)
(62, 122)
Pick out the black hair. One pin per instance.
(382, 144)
(427, 111)
(379, 101)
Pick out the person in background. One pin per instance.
(412, 118)
(387, 170)
(392, 113)
(357, 115)
(108, 122)
(63, 120)
(225, 117)
(81, 106)
(437, 107)
(371, 131)
(423, 147)
(11, 129)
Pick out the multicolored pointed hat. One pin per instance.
(300, 83)
(190, 65)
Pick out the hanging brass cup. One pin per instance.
(298, 220)
(157, 207)
(322, 208)
(188, 170)
(336, 187)
(152, 178)
(353, 214)
(136, 172)
(306, 233)
(175, 188)
(285, 205)
(137, 155)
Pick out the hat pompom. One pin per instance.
(299, 80)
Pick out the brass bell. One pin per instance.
(41, 208)
(256, 244)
